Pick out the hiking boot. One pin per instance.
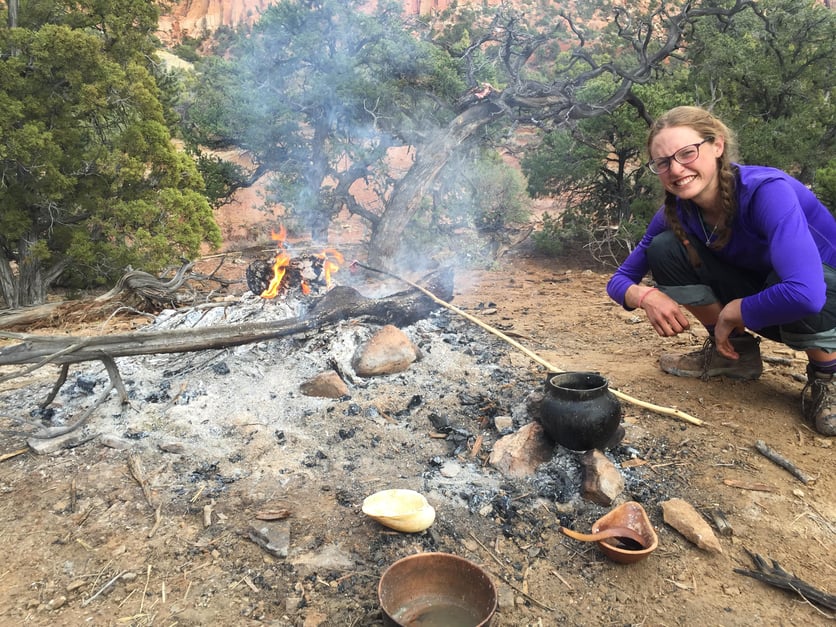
(819, 406)
(707, 362)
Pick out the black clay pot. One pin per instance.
(578, 411)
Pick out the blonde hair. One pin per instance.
(707, 126)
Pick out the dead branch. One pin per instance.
(147, 286)
(776, 576)
(775, 457)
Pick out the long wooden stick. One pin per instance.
(659, 409)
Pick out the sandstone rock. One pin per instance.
(686, 520)
(325, 385)
(602, 481)
(388, 351)
(519, 454)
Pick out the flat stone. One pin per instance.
(682, 516)
(327, 557)
(272, 537)
(172, 446)
(450, 469)
(115, 442)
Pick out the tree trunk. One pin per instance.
(411, 189)
(8, 283)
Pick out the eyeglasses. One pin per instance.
(683, 156)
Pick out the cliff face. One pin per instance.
(194, 17)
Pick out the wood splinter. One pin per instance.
(783, 462)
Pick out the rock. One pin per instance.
(388, 351)
(503, 424)
(505, 597)
(519, 454)
(293, 603)
(57, 602)
(534, 402)
(327, 557)
(602, 481)
(325, 385)
(686, 520)
(314, 619)
(450, 469)
(273, 538)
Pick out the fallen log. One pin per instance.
(341, 303)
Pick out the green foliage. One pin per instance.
(770, 75)
(91, 181)
(825, 185)
(552, 237)
(479, 201)
(187, 48)
(595, 167)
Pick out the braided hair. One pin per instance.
(711, 127)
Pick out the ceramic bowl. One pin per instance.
(399, 509)
(632, 515)
(436, 589)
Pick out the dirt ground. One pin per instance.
(225, 441)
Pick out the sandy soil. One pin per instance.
(224, 438)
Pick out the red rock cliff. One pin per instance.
(194, 17)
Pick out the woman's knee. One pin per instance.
(666, 251)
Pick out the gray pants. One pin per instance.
(718, 281)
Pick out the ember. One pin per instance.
(273, 278)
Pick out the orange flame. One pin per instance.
(329, 266)
(279, 264)
(331, 259)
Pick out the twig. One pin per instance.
(87, 602)
(499, 561)
(539, 604)
(665, 411)
(783, 462)
(9, 455)
(145, 591)
(135, 466)
(487, 550)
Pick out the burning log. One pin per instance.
(276, 277)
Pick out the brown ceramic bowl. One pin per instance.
(632, 515)
(436, 589)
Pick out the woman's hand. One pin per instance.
(730, 319)
(663, 312)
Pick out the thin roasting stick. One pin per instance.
(659, 409)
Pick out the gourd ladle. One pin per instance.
(629, 539)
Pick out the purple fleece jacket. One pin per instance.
(780, 225)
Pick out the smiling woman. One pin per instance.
(739, 247)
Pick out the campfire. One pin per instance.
(308, 273)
